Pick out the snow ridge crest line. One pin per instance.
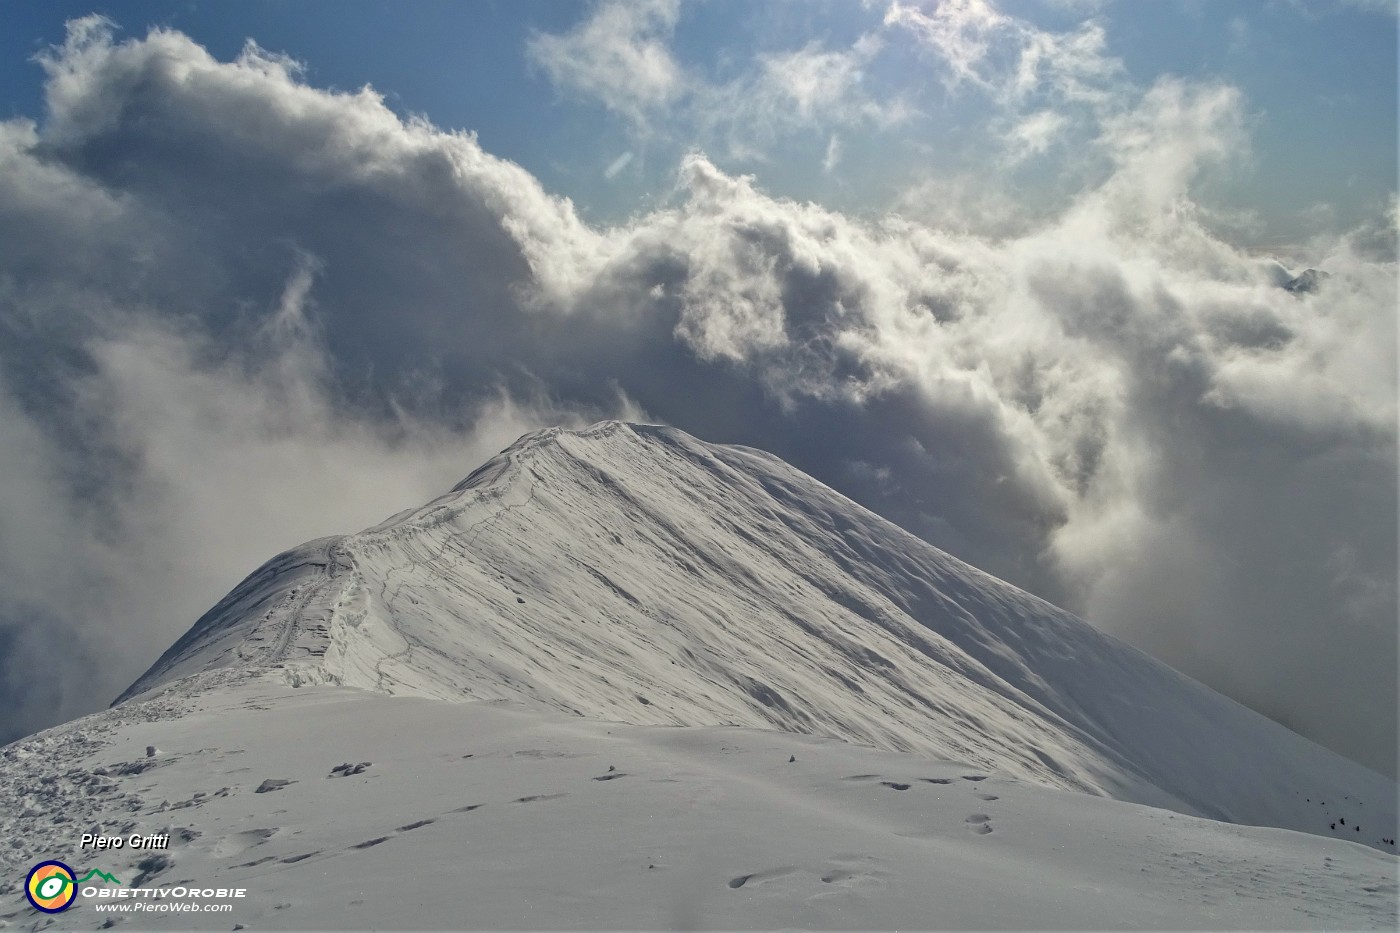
(271, 642)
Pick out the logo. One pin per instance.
(52, 886)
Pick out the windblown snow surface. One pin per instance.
(919, 745)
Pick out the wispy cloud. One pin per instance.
(619, 56)
(1012, 60)
(963, 32)
(832, 159)
(825, 84)
(616, 166)
(1044, 86)
(1313, 8)
(1034, 134)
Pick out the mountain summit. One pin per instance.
(633, 573)
(619, 678)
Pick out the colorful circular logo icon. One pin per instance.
(51, 887)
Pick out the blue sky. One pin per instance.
(1318, 85)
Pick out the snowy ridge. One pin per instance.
(273, 611)
(633, 573)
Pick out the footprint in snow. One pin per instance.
(979, 823)
(535, 797)
(257, 861)
(974, 777)
(849, 868)
(149, 867)
(839, 875)
(370, 842)
(238, 843)
(988, 797)
(896, 785)
(760, 876)
(937, 780)
(272, 784)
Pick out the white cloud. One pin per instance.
(238, 304)
(821, 83)
(1159, 147)
(962, 32)
(1034, 134)
(1044, 86)
(1011, 59)
(812, 89)
(618, 55)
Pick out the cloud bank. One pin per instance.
(240, 312)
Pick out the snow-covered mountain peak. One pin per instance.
(634, 573)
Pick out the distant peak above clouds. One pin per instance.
(1306, 282)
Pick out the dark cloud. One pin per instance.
(241, 313)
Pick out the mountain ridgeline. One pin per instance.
(633, 573)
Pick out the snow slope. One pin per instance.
(633, 573)
(495, 815)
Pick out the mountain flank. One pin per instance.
(634, 573)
